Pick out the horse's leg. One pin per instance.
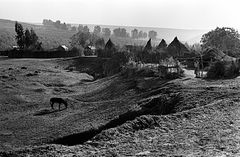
(51, 103)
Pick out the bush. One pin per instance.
(223, 69)
(78, 50)
(216, 70)
(232, 70)
(115, 64)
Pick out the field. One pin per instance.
(128, 114)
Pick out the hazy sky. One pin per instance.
(190, 14)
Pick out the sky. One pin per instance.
(182, 14)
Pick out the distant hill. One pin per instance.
(49, 36)
(52, 37)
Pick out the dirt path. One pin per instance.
(189, 73)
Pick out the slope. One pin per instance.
(49, 36)
(117, 115)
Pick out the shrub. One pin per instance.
(231, 70)
(115, 64)
(216, 70)
(222, 69)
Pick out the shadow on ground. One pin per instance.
(47, 111)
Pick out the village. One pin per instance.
(104, 78)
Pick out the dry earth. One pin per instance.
(123, 115)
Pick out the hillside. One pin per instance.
(127, 114)
(49, 36)
(52, 37)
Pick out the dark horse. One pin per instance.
(59, 101)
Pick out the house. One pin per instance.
(62, 48)
(177, 49)
(15, 47)
(89, 50)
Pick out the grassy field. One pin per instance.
(122, 115)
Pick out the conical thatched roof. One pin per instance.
(109, 45)
(176, 48)
(162, 44)
(148, 45)
(215, 54)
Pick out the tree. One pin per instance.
(120, 32)
(74, 29)
(20, 35)
(86, 29)
(57, 24)
(83, 39)
(106, 32)
(64, 26)
(152, 34)
(145, 34)
(97, 30)
(80, 39)
(27, 39)
(100, 43)
(34, 38)
(80, 28)
(225, 39)
(134, 33)
(140, 34)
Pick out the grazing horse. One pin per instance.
(59, 101)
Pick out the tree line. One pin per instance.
(106, 32)
(120, 32)
(56, 24)
(26, 39)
